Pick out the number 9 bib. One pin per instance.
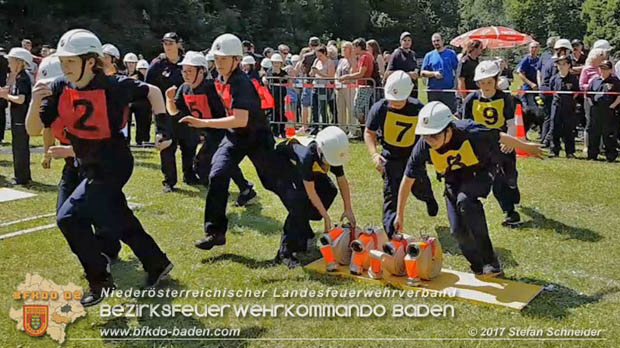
(198, 105)
(84, 113)
(489, 114)
(399, 130)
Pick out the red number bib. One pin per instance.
(198, 105)
(224, 91)
(84, 113)
(58, 131)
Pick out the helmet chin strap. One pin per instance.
(83, 69)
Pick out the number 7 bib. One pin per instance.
(399, 130)
(85, 113)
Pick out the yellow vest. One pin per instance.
(489, 114)
(454, 159)
(399, 130)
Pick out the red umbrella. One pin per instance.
(493, 37)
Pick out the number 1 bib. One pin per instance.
(84, 113)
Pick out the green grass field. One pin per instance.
(569, 240)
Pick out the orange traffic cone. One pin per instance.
(520, 126)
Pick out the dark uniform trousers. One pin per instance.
(546, 136)
(260, 150)
(99, 200)
(562, 129)
(187, 139)
(467, 219)
(69, 180)
(505, 187)
(21, 148)
(202, 162)
(392, 176)
(3, 105)
(602, 123)
(301, 211)
(142, 113)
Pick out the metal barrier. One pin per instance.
(312, 103)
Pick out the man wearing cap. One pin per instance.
(603, 122)
(527, 72)
(249, 50)
(393, 120)
(547, 69)
(4, 72)
(164, 72)
(440, 67)
(465, 154)
(198, 97)
(403, 58)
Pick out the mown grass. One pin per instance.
(569, 240)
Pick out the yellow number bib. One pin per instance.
(399, 130)
(316, 167)
(454, 159)
(490, 114)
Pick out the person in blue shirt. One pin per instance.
(439, 66)
(527, 72)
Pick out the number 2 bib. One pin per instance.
(198, 105)
(399, 130)
(454, 159)
(490, 114)
(84, 113)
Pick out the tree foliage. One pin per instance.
(137, 25)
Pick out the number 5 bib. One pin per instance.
(85, 113)
(399, 130)
(198, 105)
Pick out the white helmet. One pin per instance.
(266, 63)
(295, 58)
(503, 83)
(194, 58)
(210, 57)
(398, 86)
(248, 60)
(130, 58)
(487, 68)
(602, 44)
(333, 143)
(227, 45)
(433, 118)
(142, 64)
(276, 57)
(111, 50)
(563, 43)
(21, 53)
(49, 69)
(77, 42)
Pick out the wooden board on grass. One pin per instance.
(466, 286)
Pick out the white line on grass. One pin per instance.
(26, 231)
(5, 224)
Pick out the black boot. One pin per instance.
(208, 242)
